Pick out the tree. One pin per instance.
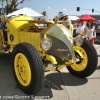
(11, 5)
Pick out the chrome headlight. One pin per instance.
(46, 44)
(78, 40)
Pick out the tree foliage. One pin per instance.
(11, 5)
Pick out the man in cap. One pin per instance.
(68, 22)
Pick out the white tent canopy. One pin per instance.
(26, 11)
(73, 17)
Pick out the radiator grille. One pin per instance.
(59, 48)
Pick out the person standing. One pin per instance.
(80, 29)
(68, 23)
(90, 31)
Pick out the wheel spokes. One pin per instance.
(81, 65)
(22, 69)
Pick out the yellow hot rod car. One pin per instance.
(37, 43)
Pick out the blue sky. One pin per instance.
(66, 6)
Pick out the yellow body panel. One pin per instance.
(33, 38)
(17, 24)
(26, 29)
(20, 29)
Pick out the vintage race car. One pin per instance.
(36, 43)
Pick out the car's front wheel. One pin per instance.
(88, 60)
(28, 68)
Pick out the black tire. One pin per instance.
(92, 61)
(36, 66)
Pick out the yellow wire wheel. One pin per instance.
(87, 60)
(82, 56)
(22, 69)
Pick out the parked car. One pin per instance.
(34, 46)
(97, 40)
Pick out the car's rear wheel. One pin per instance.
(87, 63)
(28, 68)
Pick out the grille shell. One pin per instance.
(59, 48)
